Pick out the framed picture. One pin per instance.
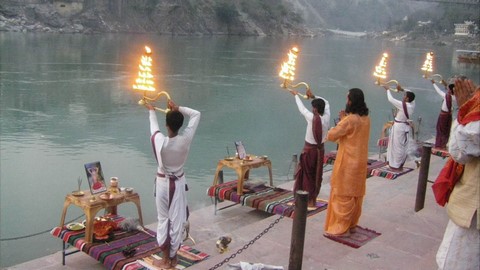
(96, 181)
(240, 150)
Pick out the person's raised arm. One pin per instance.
(194, 119)
(438, 90)
(301, 108)
(326, 111)
(153, 118)
(393, 101)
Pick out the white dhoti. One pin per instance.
(169, 230)
(398, 144)
(460, 248)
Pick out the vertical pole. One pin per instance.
(298, 230)
(220, 177)
(423, 177)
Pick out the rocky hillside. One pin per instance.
(177, 17)
(202, 17)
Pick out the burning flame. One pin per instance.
(428, 64)
(144, 80)
(381, 70)
(287, 70)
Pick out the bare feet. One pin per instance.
(164, 263)
(393, 169)
(345, 234)
(174, 261)
(353, 229)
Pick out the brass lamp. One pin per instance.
(145, 82)
(380, 74)
(287, 72)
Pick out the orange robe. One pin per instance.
(349, 174)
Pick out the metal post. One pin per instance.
(298, 231)
(295, 163)
(220, 177)
(423, 176)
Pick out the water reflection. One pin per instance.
(66, 100)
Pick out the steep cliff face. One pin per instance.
(178, 17)
(191, 17)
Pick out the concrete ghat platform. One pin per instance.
(409, 239)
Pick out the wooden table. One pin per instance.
(242, 167)
(92, 204)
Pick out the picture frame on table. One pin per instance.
(96, 181)
(242, 153)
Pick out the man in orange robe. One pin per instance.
(350, 168)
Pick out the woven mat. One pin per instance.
(440, 152)
(110, 253)
(330, 157)
(360, 237)
(187, 257)
(272, 200)
(386, 172)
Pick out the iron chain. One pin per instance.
(248, 244)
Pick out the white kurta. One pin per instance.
(460, 247)
(444, 102)
(171, 155)
(400, 133)
(309, 118)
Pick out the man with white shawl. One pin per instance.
(460, 247)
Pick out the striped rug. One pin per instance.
(372, 164)
(443, 153)
(386, 172)
(110, 253)
(356, 239)
(268, 199)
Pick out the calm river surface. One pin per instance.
(67, 100)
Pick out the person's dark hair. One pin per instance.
(174, 120)
(410, 96)
(357, 102)
(319, 104)
(451, 87)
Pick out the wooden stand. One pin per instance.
(242, 167)
(92, 204)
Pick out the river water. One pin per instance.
(67, 100)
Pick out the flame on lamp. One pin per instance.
(427, 69)
(381, 69)
(381, 74)
(144, 81)
(428, 64)
(287, 70)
